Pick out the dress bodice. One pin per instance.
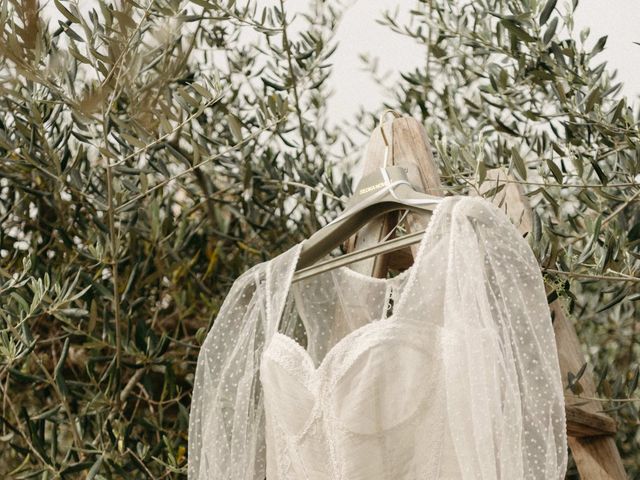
(367, 401)
(371, 410)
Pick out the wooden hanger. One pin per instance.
(382, 191)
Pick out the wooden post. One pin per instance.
(590, 432)
(410, 149)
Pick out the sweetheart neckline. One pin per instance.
(335, 349)
(410, 272)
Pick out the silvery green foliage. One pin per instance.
(149, 152)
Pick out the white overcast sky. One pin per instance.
(359, 32)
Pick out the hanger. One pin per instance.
(384, 190)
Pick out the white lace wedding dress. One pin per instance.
(447, 371)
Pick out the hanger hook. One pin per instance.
(387, 144)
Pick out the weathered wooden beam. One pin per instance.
(581, 423)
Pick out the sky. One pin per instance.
(359, 33)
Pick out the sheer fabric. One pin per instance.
(448, 370)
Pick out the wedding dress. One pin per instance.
(448, 370)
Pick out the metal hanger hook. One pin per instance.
(387, 144)
(386, 111)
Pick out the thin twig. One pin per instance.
(621, 208)
(318, 190)
(610, 217)
(287, 48)
(25, 437)
(131, 383)
(198, 165)
(593, 277)
(127, 45)
(156, 141)
(114, 263)
(139, 462)
(52, 382)
(596, 399)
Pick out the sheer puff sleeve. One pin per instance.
(226, 420)
(504, 392)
